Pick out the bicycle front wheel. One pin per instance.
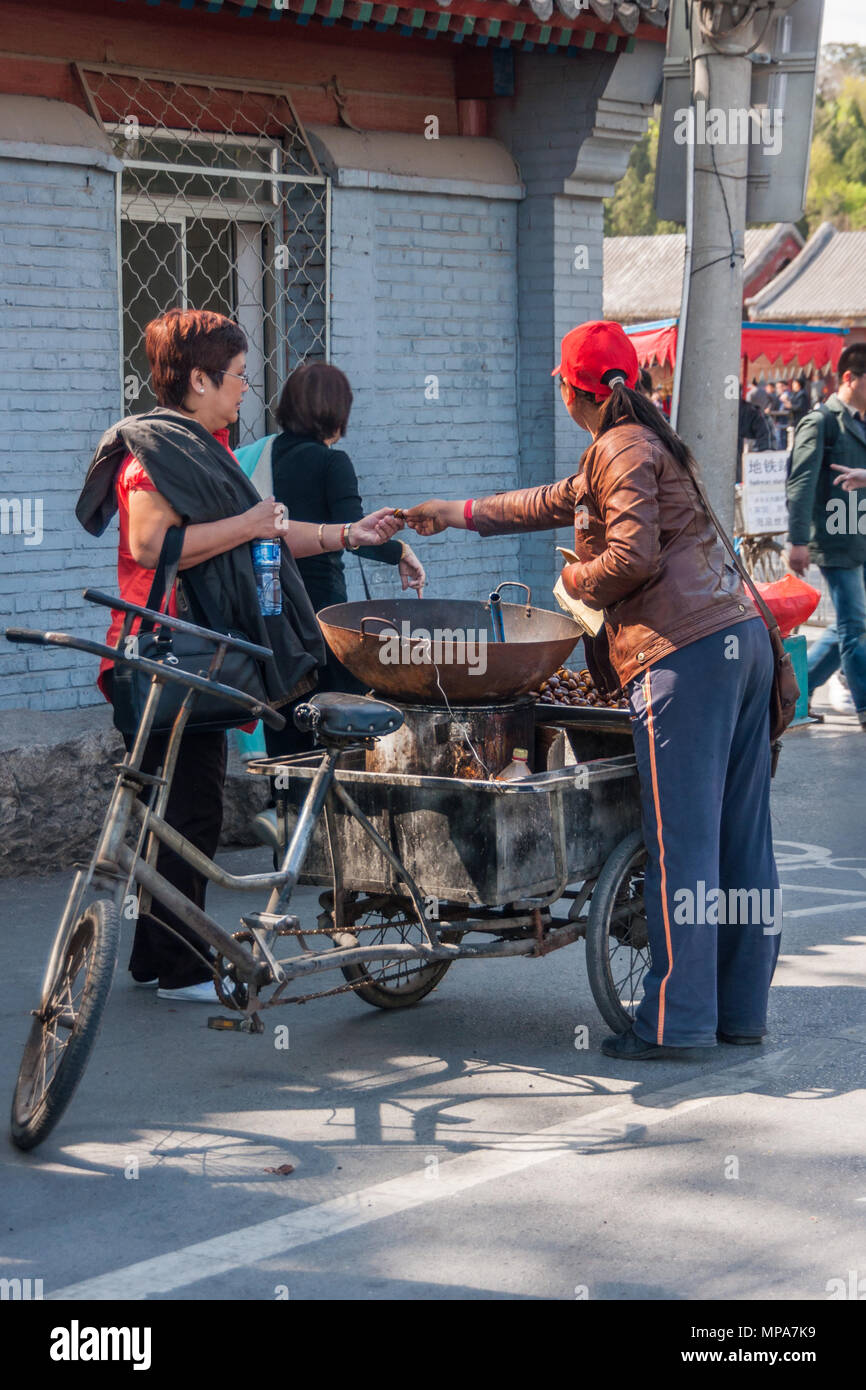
(66, 1025)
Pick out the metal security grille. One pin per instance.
(223, 206)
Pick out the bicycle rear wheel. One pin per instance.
(65, 1027)
(393, 984)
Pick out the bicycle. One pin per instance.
(576, 825)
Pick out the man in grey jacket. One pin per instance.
(827, 521)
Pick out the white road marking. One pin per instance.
(268, 1239)
(823, 908)
(812, 888)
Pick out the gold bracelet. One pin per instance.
(321, 541)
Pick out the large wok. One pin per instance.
(460, 659)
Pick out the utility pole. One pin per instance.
(706, 392)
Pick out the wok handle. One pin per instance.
(373, 619)
(515, 584)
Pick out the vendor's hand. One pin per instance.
(429, 518)
(799, 558)
(849, 478)
(268, 520)
(411, 570)
(377, 528)
(571, 580)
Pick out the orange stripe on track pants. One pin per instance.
(647, 694)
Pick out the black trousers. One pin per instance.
(195, 808)
(332, 676)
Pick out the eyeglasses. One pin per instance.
(239, 376)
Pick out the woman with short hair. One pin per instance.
(172, 467)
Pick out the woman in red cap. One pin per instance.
(688, 648)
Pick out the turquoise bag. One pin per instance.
(255, 461)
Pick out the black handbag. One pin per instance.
(184, 652)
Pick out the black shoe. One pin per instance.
(631, 1048)
(739, 1039)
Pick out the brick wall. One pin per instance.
(59, 388)
(543, 127)
(423, 286)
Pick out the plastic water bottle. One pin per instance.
(266, 563)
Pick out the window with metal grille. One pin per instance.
(223, 206)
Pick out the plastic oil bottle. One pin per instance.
(518, 768)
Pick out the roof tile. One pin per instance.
(826, 282)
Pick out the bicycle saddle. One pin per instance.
(334, 714)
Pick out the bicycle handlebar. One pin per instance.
(164, 674)
(178, 624)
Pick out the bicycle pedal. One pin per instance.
(232, 1025)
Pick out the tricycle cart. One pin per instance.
(418, 871)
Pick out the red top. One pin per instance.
(133, 581)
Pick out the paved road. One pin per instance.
(466, 1149)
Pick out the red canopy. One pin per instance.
(778, 345)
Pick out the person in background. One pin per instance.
(832, 439)
(849, 478)
(752, 427)
(645, 383)
(316, 482)
(800, 402)
(757, 395)
(773, 412)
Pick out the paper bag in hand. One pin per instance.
(590, 619)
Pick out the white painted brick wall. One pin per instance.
(422, 285)
(544, 126)
(425, 285)
(59, 389)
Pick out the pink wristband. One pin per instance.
(467, 514)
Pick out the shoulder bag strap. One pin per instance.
(738, 564)
(164, 576)
(364, 580)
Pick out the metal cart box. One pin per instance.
(474, 841)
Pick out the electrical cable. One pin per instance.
(723, 191)
(742, 52)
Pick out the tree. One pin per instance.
(630, 211)
(838, 61)
(837, 168)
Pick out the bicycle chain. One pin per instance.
(319, 994)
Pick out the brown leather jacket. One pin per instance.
(650, 556)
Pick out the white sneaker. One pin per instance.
(838, 694)
(144, 984)
(191, 994)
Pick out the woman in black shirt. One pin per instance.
(317, 483)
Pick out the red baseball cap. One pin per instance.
(595, 355)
